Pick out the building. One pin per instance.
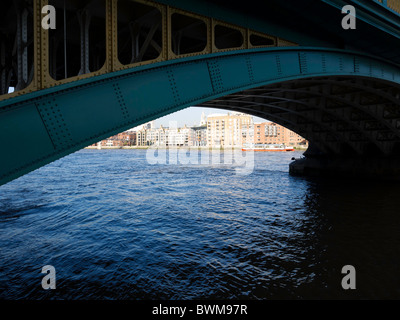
(198, 136)
(293, 139)
(229, 130)
(269, 133)
(123, 139)
(149, 136)
(178, 137)
(203, 120)
(166, 137)
(218, 130)
(147, 125)
(272, 133)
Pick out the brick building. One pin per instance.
(123, 139)
(272, 133)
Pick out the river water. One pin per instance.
(115, 226)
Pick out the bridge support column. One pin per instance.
(22, 48)
(362, 167)
(134, 29)
(84, 22)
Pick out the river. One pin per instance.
(115, 226)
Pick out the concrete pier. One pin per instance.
(360, 168)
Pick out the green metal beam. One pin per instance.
(43, 126)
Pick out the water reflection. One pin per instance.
(116, 227)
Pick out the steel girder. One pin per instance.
(43, 126)
(333, 103)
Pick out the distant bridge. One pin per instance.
(110, 65)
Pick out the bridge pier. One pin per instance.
(372, 168)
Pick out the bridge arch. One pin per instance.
(342, 102)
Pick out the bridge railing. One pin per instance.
(102, 36)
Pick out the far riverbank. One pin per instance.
(163, 147)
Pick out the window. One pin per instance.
(139, 32)
(258, 41)
(78, 45)
(189, 35)
(227, 37)
(16, 46)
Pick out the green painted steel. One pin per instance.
(38, 128)
(227, 14)
(373, 13)
(310, 22)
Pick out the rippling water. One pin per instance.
(116, 227)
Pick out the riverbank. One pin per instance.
(163, 147)
(114, 147)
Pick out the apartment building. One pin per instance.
(229, 130)
(273, 133)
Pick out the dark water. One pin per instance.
(116, 227)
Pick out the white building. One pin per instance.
(229, 130)
(178, 137)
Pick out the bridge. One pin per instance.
(111, 65)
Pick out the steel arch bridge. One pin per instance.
(345, 102)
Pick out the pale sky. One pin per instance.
(192, 116)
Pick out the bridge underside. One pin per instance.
(341, 115)
(352, 123)
(346, 104)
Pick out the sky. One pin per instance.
(191, 116)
